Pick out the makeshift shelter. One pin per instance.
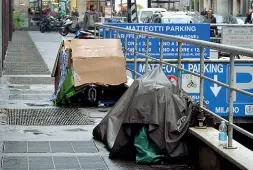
(149, 121)
(82, 63)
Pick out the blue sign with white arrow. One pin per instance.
(170, 48)
(215, 96)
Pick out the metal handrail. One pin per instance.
(233, 25)
(196, 60)
(203, 44)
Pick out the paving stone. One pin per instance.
(15, 163)
(49, 147)
(16, 97)
(61, 147)
(15, 92)
(38, 147)
(18, 87)
(66, 163)
(25, 73)
(84, 147)
(31, 80)
(35, 97)
(92, 162)
(41, 163)
(15, 147)
(53, 163)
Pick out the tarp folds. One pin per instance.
(152, 104)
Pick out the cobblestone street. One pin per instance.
(34, 133)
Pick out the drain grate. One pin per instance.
(31, 80)
(49, 147)
(53, 162)
(48, 116)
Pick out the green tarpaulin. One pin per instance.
(146, 151)
(67, 90)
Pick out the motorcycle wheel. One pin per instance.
(42, 28)
(64, 31)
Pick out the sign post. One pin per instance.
(108, 11)
(238, 36)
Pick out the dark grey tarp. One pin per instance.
(154, 101)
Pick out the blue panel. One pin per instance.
(217, 97)
(193, 31)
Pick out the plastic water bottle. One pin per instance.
(223, 134)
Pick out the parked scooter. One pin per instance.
(50, 23)
(87, 34)
(70, 26)
(84, 35)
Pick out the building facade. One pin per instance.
(232, 7)
(31, 9)
(6, 29)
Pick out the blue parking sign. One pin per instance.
(215, 96)
(170, 48)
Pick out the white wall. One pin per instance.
(222, 6)
(81, 6)
(236, 6)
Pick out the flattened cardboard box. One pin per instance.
(98, 61)
(56, 72)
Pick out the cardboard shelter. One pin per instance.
(91, 61)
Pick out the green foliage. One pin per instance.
(18, 21)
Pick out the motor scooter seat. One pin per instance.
(84, 32)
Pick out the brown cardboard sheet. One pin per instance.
(98, 61)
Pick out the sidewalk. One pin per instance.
(37, 135)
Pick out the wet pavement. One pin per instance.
(35, 134)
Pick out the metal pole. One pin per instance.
(149, 4)
(95, 32)
(161, 52)
(111, 9)
(110, 34)
(117, 34)
(231, 101)
(98, 8)
(121, 15)
(135, 57)
(104, 33)
(99, 33)
(195, 5)
(125, 45)
(136, 11)
(179, 64)
(190, 6)
(201, 87)
(147, 50)
(129, 11)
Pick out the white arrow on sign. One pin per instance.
(215, 89)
